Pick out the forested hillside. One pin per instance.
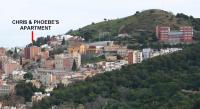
(140, 27)
(165, 82)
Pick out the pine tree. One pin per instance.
(34, 43)
(63, 41)
(15, 50)
(74, 67)
(21, 60)
(15, 54)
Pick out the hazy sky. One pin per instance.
(74, 14)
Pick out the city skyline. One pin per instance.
(76, 14)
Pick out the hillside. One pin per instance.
(164, 82)
(140, 26)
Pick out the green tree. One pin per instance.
(21, 60)
(9, 52)
(28, 76)
(15, 50)
(63, 41)
(34, 43)
(74, 66)
(15, 54)
(156, 83)
(25, 90)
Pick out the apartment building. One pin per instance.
(77, 47)
(2, 51)
(147, 53)
(6, 89)
(31, 52)
(94, 50)
(65, 61)
(183, 35)
(10, 65)
(135, 57)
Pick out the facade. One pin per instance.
(77, 48)
(31, 52)
(39, 96)
(94, 50)
(135, 57)
(63, 62)
(49, 64)
(147, 53)
(2, 52)
(122, 52)
(18, 75)
(111, 58)
(6, 89)
(184, 35)
(3, 59)
(169, 50)
(10, 66)
(110, 66)
(113, 49)
(46, 79)
(44, 54)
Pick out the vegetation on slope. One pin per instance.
(26, 90)
(140, 27)
(159, 83)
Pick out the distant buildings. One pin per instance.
(150, 53)
(65, 61)
(18, 75)
(184, 35)
(112, 49)
(31, 52)
(47, 63)
(94, 50)
(47, 79)
(109, 66)
(169, 50)
(35, 53)
(111, 58)
(39, 96)
(44, 54)
(122, 52)
(9, 66)
(77, 48)
(135, 57)
(6, 89)
(147, 53)
(2, 52)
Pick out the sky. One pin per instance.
(74, 14)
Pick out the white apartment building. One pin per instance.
(147, 53)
